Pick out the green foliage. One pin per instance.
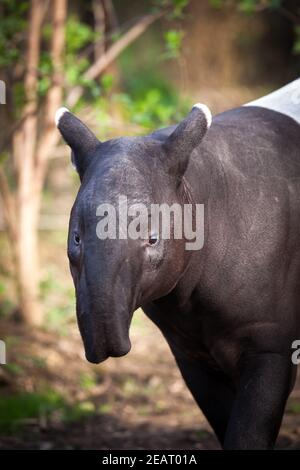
(59, 303)
(152, 109)
(107, 82)
(87, 380)
(78, 35)
(148, 100)
(105, 408)
(13, 26)
(173, 42)
(275, 3)
(36, 361)
(57, 318)
(130, 388)
(16, 409)
(12, 37)
(2, 289)
(45, 69)
(176, 7)
(19, 409)
(19, 95)
(79, 411)
(48, 284)
(14, 369)
(248, 6)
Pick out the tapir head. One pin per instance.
(114, 276)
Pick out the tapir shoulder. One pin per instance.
(254, 141)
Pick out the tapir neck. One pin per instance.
(206, 182)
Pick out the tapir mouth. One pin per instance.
(96, 357)
(101, 342)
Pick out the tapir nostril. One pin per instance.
(99, 352)
(120, 351)
(95, 358)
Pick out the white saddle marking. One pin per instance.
(286, 100)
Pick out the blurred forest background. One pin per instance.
(125, 67)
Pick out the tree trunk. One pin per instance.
(31, 155)
(99, 18)
(27, 262)
(27, 246)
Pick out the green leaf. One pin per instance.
(275, 4)
(248, 6)
(179, 6)
(78, 35)
(173, 42)
(2, 288)
(107, 82)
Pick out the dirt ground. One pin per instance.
(138, 401)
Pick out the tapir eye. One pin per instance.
(76, 238)
(153, 239)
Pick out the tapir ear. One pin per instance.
(185, 138)
(81, 140)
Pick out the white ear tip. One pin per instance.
(207, 112)
(59, 113)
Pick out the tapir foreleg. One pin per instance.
(258, 409)
(212, 391)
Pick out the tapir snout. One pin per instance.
(104, 331)
(104, 310)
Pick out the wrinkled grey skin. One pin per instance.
(230, 311)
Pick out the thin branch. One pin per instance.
(117, 31)
(99, 26)
(112, 53)
(281, 10)
(110, 13)
(289, 15)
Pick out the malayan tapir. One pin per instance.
(230, 312)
